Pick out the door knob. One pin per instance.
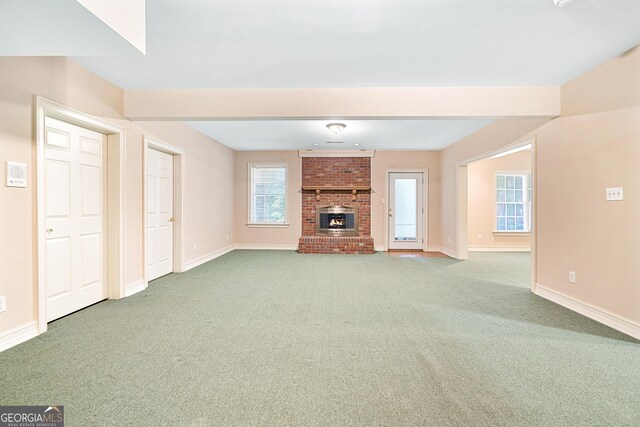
(173, 218)
(49, 230)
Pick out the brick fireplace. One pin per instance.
(335, 185)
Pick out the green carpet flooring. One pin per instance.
(280, 338)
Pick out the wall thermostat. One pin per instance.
(16, 174)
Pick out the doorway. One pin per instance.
(80, 199)
(75, 202)
(163, 216)
(496, 198)
(160, 215)
(406, 211)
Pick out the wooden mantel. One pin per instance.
(353, 188)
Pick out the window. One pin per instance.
(513, 201)
(268, 194)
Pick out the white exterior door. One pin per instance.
(160, 217)
(406, 210)
(75, 190)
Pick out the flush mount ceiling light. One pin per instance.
(334, 142)
(316, 144)
(336, 127)
(356, 144)
(561, 3)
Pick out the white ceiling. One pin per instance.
(370, 134)
(367, 43)
(338, 43)
(64, 27)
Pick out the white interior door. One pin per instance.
(75, 243)
(406, 210)
(160, 217)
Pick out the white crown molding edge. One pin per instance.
(336, 153)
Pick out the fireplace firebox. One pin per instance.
(337, 220)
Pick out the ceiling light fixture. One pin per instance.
(356, 144)
(561, 3)
(336, 127)
(316, 144)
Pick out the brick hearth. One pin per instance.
(343, 172)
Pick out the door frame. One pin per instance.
(425, 205)
(178, 180)
(114, 214)
(462, 202)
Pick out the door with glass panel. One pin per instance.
(406, 210)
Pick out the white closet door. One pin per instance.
(75, 203)
(160, 217)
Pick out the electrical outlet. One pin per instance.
(195, 246)
(227, 237)
(3, 303)
(480, 237)
(615, 193)
(449, 239)
(572, 277)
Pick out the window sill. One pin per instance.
(511, 233)
(267, 225)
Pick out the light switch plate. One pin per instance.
(16, 174)
(3, 304)
(615, 193)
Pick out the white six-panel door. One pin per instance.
(75, 190)
(406, 210)
(160, 217)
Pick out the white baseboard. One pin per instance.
(267, 247)
(206, 258)
(614, 321)
(499, 249)
(18, 335)
(380, 248)
(134, 288)
(449, 252)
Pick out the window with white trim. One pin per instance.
(513, 201)
(267, 193)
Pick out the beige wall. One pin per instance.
(288, 237)
(20, 80)
(481, 202)
(489, 138)
(385, 160)
(398, 102)
(64, 82)
(594, 145)
(208, 189)
(284, 237)
(591, 146)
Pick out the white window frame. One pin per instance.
(526, 200)
(250, 168)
